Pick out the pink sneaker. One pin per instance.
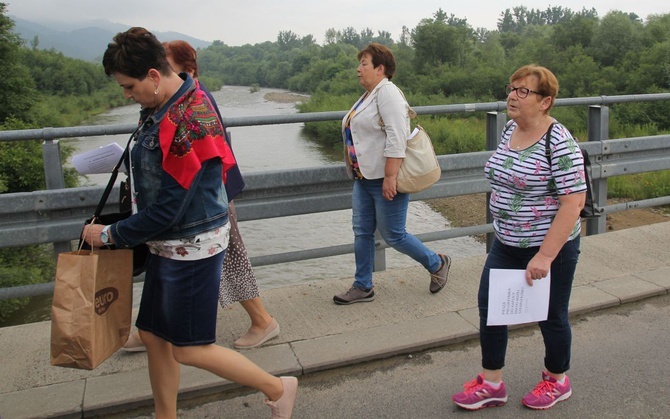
(478, 395)
(547, 393)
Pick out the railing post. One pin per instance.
(380, 254)
(598, 130)
(495, 123)
(53, 175)
(53, 166)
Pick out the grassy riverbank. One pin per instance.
(285, 97)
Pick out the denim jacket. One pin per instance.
(165, 210)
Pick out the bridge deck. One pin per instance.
(614, 268)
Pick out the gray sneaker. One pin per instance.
(439, 279)
(354, 295)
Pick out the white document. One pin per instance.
(513, 301)
(413, 134)
(100, 160)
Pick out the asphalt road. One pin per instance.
(620, 369)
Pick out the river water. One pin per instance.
(273, 147)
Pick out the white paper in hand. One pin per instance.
(100, 160)
(513, 301)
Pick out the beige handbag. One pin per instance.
(419, 169)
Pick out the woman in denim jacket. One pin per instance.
(238, 281)
(178, 163)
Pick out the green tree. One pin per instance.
(512, 20)
(288, 40)
(576, 30)
(367, 36)
(349, 36)
(656, 30)
(384, 38)
(648, 75)
(405, 37)
(617, 34)
(330, 36)
(441, 41)
(17, 92)
(307, 41)
(534, 47)
(578, 72)
(56, 74)
(322, 72)
(69, 91)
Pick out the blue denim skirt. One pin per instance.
(180, 299)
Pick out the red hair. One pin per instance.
(183, 54)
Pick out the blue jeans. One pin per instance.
(555, 330)
(370, 212)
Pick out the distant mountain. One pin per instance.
(83, 40)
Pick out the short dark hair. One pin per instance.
(381, 55)
(133, 53)
(183, 54)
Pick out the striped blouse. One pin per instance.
(525, 189)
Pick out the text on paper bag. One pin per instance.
(104, 299)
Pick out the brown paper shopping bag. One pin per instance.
(91, 309)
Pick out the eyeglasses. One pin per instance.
(521, 92)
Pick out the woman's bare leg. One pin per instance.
(230, 365)
(164, 374)
(260, 318)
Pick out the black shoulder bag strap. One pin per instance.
(547, 143)
(590, 210)
(114, 175)
(141, 251)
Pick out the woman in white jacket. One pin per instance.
(375, 133)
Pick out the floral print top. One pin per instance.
(200, 246)
(525, 187)
(350, 150)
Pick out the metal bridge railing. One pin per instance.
(56, 215)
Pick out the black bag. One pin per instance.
(590, 209)
(125, 196)
(141, 251)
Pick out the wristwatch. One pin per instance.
(104, 235)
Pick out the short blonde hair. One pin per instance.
(547, 84)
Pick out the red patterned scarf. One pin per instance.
(191, 133)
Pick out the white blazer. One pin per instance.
(373, 144)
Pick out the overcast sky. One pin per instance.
(238, 22)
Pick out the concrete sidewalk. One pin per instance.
(614, 268)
